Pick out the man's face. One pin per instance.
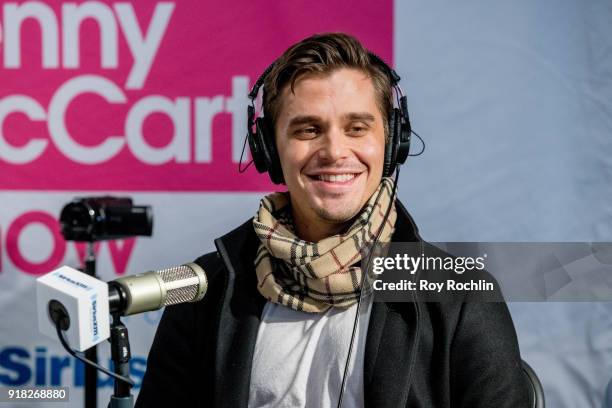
(331, 140)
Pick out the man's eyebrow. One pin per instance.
(362, 116)
(302, 120)
(353, 116)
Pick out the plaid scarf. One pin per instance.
(313, 277)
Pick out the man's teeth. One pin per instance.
(336, 178)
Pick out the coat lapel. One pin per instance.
(390, 338)
(239, 319)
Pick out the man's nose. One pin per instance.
(334, 146)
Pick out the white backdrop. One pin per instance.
(514, 100)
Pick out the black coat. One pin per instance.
(201, 356)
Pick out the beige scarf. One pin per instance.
(313, 277)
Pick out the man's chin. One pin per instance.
(337, 215)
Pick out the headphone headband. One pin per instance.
(393, 76)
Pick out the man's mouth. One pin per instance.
(336, 178)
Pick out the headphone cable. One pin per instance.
(363, 281)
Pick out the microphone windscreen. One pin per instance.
(185, 283)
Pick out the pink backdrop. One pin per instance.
(153, 98)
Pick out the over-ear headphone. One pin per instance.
(260, 132)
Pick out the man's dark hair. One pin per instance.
(324, 53)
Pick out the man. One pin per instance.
(275, 326)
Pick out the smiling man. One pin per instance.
(275, 327)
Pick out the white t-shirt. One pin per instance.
(299, 357)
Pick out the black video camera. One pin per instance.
(101, 218)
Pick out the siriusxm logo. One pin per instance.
(20, 366)
(72, 281)
(94, 317)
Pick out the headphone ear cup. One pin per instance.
(274, 168)
(258, 148)
(392, 144)
(403, 144)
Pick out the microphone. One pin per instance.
(81, 304)
(155, 289)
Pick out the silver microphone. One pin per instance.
(155, 289)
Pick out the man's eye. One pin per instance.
(309, 131)
(357, 129)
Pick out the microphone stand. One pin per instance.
(120, 354)
(91, 374)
